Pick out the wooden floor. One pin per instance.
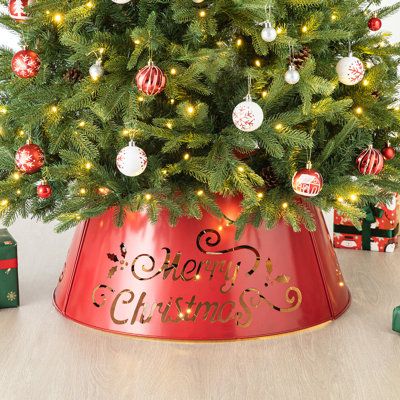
(43, 356)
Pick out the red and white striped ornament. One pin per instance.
(25, 64)
(370, 161)
(151, 79)
(16, 9)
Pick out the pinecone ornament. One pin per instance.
(270, 179)
(300, 57)
(73, 75)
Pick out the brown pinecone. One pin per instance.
(270, 179)
(376, 94)
(73, 75)
(300, 57)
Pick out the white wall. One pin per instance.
(30, 233)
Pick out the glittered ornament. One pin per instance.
(307, 182)
(25, 64)
(131, 160)
(29, 158)
(151, 79)
(292, 76)
(16, 9)
(96, 71)
(370, 161)
(375, 23)
(248, 115)
(350, 70)
(44, 190)
(388, 152)
(268, 34)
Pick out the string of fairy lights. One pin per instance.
(151, 80)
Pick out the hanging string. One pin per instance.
(350, 52)
(268, 12)
(249, 84)
(150, 48)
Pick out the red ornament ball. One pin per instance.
(17, 11)
(370, 161)
(388, 152)
(307, 182)
(25, 64)
(151, 80)
(29, 158)
(44, 190)
(374, 24)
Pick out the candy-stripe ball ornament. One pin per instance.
(307, 181)
(350, 70)
(25, 64)
(29, 158)
(131, 160)
(370, 161)
(44, 190)
(16, 9)
(151, 80)
(248, 115)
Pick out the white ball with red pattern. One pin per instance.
(25, 64)
(16, 9)
(248, 116)
(350, 70)
(131, 160)
(151, 80)
(307, 182)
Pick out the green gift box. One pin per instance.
(9, 292)
(396, 319)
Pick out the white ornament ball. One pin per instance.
(248, 116)
(350, 70)
(131, 160)
(198, 1)
(121, 1)
(96, 71)
(268, 34)
(292, 76)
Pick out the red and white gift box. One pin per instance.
(380, 235)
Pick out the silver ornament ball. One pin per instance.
(96, 71)
(292, 76)
(268, 34)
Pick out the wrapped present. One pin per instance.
(396, 319)
(379, 232)
(9, 292)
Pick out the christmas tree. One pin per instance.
(167, 76)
